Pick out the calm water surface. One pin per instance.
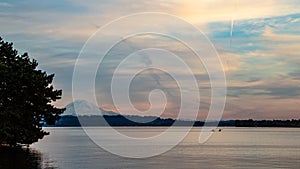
(70, 148)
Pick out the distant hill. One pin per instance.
(116, 120)
(267, 123)
(120, 120)
(90, 115)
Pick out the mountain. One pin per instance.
(88, 114)
(85, 108)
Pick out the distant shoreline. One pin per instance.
(139, 121)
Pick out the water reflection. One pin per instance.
(17, 158)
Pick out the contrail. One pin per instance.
(232, 22)
(231, 30)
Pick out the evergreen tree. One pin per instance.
(26, 95)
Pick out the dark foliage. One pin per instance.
(21, 159)
(267, 123)
(26, 96)
(126, 120)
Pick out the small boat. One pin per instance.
(213, 130)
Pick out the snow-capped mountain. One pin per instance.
(85, 108)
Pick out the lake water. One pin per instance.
(70, 148)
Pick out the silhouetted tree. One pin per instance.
(25, 98)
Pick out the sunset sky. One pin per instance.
(261, 62)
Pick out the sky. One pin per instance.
(257, 41)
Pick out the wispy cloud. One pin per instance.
(262, 64)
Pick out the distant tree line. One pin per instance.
(267, 123)
(120, 120)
